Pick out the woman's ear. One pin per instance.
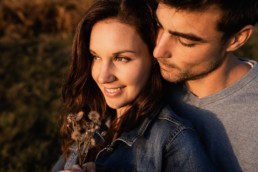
(240, 38)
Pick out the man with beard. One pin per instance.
(209, 85)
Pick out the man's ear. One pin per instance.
(240, 38)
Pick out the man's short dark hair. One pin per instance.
(236, 14)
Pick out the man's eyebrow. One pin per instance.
(183, 35)
(188, 36)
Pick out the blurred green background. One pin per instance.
(35, 46)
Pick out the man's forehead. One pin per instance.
(208, 9)
(200, 23)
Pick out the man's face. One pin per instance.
(188, 45)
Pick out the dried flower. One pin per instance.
(76, 135)
(82, 132)
(94, 117)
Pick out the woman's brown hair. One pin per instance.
(80, 92)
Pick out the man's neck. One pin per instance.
(228, 73)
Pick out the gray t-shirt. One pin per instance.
(227, 121)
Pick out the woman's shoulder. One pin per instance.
(167, 115)
(170, 129)
(174, 129)
(170, 125)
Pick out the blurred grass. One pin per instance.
(35, 45)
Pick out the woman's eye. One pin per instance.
(95, 58)
(122, 59)
(158, 25)
(186, 42)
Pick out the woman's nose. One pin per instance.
(106, 74)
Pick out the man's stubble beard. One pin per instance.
(176, 74)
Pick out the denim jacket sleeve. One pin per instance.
(63, 164)
(59, 165)
(185, 153)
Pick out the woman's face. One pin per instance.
(121, 62)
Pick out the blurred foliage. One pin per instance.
(250, 49)
(35, 45)
(31, 73)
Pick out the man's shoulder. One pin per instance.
(252, 75)
(248, 60)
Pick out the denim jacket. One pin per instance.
(163, 142)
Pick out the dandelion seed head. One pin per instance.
(76, 135)
(94, 116)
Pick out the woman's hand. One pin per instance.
(87, 167)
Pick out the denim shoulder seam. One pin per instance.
(178, 130)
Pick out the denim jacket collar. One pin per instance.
(130, 137)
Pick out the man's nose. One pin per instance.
(163, 45)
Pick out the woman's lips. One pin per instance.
(111, 92)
